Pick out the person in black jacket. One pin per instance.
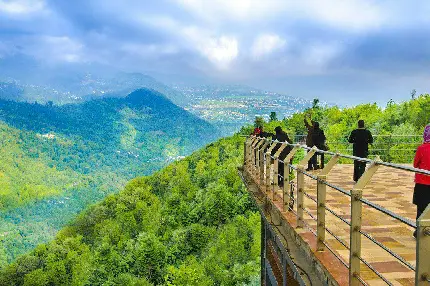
(318, 139)
(281, 136)
(312, 163)
(360, 138)
(264, 134)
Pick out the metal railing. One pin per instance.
(390, 148)
(262, 165)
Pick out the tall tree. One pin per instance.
(413, 93)
(259, 121)
(315, 103)
(273, 116)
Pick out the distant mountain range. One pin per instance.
(63, 89)
(227, 107)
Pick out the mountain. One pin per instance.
(24, 79)
(228, 107)
(57, 159)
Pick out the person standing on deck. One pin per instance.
(256, 131)
(360, 138)
(318, 139)
(312, 163)
(281, 136)
(264, 134)
(422, 182)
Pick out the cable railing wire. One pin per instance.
(367, 202)
(387, 164)
(338, 216)
(375, 271)
(325, 244)
(337, 238)
(410, 266)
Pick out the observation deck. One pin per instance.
(322, 228)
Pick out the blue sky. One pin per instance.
(340, 51)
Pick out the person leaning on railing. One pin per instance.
(318, 139)
(281, 136)
(422, 182)
(312, 163)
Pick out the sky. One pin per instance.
(340, 51)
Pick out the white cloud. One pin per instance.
(220, 51)
(266, 44)
(236, 9)
(64, 48)
(356, 15)
(353, 14)
(17, 7)
(52, 48)
(318, 55)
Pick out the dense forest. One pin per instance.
(56, 160)
(191, 223)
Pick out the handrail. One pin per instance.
(386, 164)
(355, 196)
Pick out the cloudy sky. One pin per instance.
(340, 51)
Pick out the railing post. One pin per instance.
(321, 201)
(262, 177)
(249, 153)
(275, 170)
(253, 156)
(275, 177)
(257, 158)
(269, 164)
(355, 243)
(244, 151)
(300, 195)
(422, 274)
(301, 185)
(287, 187)
(356, 214)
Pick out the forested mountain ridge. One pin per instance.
(55, 160)
(102, 119)
(191, 223)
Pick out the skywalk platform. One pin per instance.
(322, 228)
(391, 189)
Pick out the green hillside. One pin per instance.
(191, 223)
(56, 160)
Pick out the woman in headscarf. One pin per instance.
(422, 182)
